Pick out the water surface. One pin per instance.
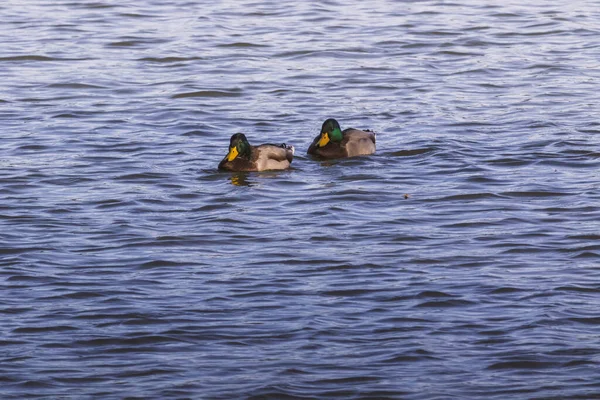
(459, 261)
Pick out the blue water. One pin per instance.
(459, 261)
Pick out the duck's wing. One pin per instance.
(273, 156)
(358, 142)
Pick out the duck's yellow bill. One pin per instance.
(324, 139)
(233, 153)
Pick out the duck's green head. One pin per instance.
(238, 147)
(330, 132)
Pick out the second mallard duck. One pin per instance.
(244, 157)
(332, 142)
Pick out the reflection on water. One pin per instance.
(241, 179)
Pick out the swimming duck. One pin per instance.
(332, 142)
(244, 157)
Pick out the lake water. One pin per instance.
(462, 260)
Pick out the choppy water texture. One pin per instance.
(131, 268)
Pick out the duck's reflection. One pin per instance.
(241, 179)
(254, 178)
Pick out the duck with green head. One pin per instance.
(332, 142)
(243, 156)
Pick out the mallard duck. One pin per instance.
(244, 157)
(332, 142)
